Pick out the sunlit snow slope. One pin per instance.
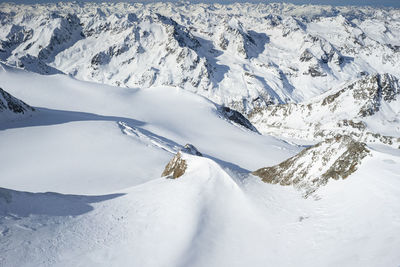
(88, 138)
(209, 218)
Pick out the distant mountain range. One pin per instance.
(243, 56)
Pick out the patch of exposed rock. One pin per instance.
(236, 117)
(11, 107)
(335, 158)
(191, 149)
(178, 165)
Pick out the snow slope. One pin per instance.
(209, 218)
(109, 145)
(101, 138)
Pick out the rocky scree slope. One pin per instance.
(242, 56)
(366, 109)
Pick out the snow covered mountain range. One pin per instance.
(242, 55)
(367, 109)
(199, 135)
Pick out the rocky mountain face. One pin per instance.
(242, 56)
(335, 158)
(366, 109)
(12, 108)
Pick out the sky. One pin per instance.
(378, 3)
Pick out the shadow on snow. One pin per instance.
(19, 204)
(47, 117)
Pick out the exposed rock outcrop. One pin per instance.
(191, 149)
(178, 165)
(11, 107)
(335, 158)
(236, 117)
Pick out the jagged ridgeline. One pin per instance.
(335, 158)
(242, 56)
(367, 109)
